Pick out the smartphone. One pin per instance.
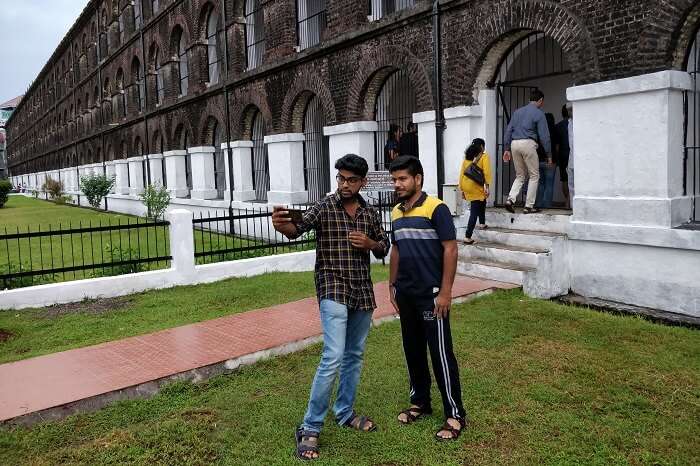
(295, 214)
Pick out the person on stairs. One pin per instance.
(474, 181)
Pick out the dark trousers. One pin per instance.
(477, 209)
(420, 328)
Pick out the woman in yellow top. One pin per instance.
(472, 191)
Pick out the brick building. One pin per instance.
(243, 100)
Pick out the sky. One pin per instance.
(30, 31)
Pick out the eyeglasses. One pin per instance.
(351, 180)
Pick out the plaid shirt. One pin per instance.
(342, 271)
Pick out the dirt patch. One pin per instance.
(5, 335)
(88, 306)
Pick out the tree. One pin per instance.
(156, 199)
(5, 187)
(96, 187)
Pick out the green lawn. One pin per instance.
(543, 383)
(59, 328)
(22, 214)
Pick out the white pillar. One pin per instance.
(462, 124)
(203, 183)
(155, 168)
(286, 157)
(427, 148)
(135, 175)
(121, 167)
(111, 172)
(489, 132)
(181, 241)
(350, 138)
(630, 172)
(242, 160)
(175, 171)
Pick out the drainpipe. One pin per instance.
(437, 91)
(229, 155)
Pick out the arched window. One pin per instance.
(213, 56)
(120, 107)
(381, 8)
(255, 33)
(311, 21)
(138, 15)
(261, 171)
(120, 27)
(691, 183)
(160, 88)
(316, 152)
(395, 105)
(155, 7)
(94, 38)
(139, 84)
(183, 70)
(104, 37)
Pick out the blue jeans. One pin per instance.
(545, 188)
(344, 336)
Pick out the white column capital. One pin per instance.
(353, 127)
(172, 153)
(201, 149)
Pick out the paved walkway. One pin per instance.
(55, 380)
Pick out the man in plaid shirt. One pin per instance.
(347, 229)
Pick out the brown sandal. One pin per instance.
(361, 423)
(452, 430)
(307, 442)
(411, 417)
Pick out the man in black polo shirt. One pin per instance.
(422, 272)
(347, 229)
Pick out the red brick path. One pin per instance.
(56, 379)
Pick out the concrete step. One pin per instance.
(496, 271)
(544, 222)
(521, 238)
(502, 253)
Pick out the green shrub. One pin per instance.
(53, 187)
(156, 199)
(5, 188)
(96, 187)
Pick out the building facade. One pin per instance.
(248, 101)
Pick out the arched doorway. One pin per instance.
(534, 62)
(395, 105)
(261, 168)
(691, 155)
(316, 156)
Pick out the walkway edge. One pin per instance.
(197, 375)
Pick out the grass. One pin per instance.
(52, 329)
(543, 383)
(22, 214)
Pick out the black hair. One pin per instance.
(536, 95)
(407, 162)
(353, 163)
(472, 151)
(550, 119)
(410, 126)
(564, 112)
(479, 141)
(392, 130)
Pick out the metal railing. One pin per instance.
(242, 234)
(691, 136)
(47, 255)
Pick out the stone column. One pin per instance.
(175, 170)
(642, 184)
(111, 172)
(427, 148)
(121, 167)
(350, 138)
(242, 160)
(155, 167)
(202, 160)
(286, 161)
(135, 175)
(462, 124)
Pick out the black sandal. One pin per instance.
(453, 431)
(360, 422)
(410, 417)
(307, 442)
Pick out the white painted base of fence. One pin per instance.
(110, 287)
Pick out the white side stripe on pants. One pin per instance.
(445, 368)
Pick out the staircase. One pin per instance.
(528, 250)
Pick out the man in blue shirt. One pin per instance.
(526, 130)
(422, 272)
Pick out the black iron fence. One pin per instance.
(691, 140)
(242, 234)
(88, 250)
